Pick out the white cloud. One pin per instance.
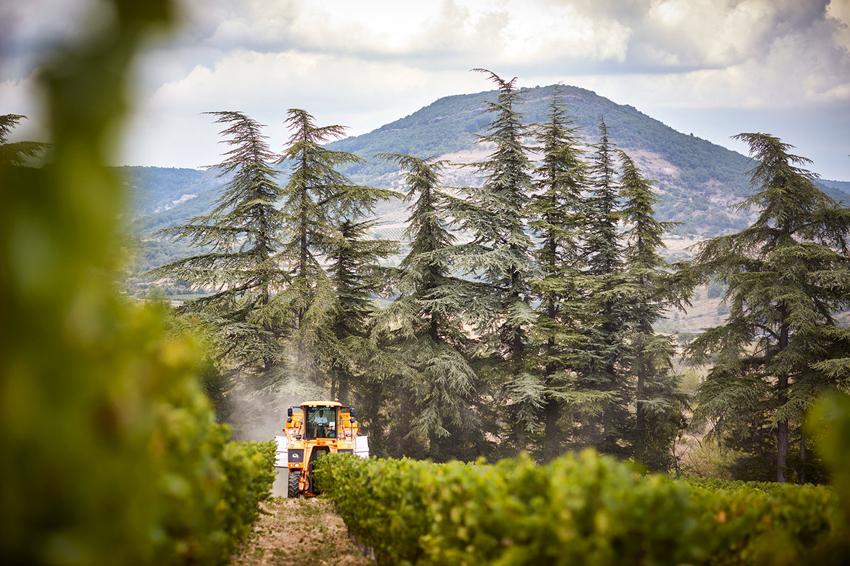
(839, 12)
(794, 72)
(358, 93)
(368, 62)
(507, 29)
(251, 77)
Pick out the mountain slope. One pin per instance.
(162, 197)
(699, 182)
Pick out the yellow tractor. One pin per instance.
(313, 429)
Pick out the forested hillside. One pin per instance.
(698, 181)
(690, 172)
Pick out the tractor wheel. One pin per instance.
(292, 490)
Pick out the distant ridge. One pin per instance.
(699, 182)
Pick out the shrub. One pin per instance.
(381, 501)
(110, 450)
(579, 509)
(829, 424)
(763, 522)
(249, 469)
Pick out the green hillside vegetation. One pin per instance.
(451, 124)
(111, 449)
(688, 171)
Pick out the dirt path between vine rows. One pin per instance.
(299, 531)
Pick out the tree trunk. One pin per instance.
(551, 430)
(344, 389)
(803, 455)
(516, 342)
(371, 412)
(434, 329)
(640, 417)
(303, 221)
(782, 434)
(440, 448)
(642, 369)
(781, 450)
(782, 397)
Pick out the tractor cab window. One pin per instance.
(321, 422)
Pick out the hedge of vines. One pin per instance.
(110, 449)
(579, 509)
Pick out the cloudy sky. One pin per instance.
(708, 67)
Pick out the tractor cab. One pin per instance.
(320, 421)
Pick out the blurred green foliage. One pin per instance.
(579, 509)
(829, 424)
(110, 449)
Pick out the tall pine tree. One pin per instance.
(557, 212)
(424, 326)
(603, 265)
(500, 255)
(604, 255)
(357, 277)
(652, 289)
(240, 243)
(318, 202)
(788, 274)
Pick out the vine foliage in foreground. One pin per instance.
(578, 509)
(110, 448)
